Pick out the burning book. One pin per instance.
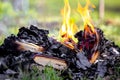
(84, 53)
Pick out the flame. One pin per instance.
(84, 11)
(68, 28)
(94, 57)
(89, 29)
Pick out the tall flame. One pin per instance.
(89, 27)
(84, 11)
(68, 28)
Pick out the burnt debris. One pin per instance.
(33, 44)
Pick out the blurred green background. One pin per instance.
(46, 14)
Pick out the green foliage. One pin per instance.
(51, 74)
(17, 17)
(6, 9)
(112, 3)
(1, 39)
(13, 30)
(112, 33)
(33, 2)
(47, 74)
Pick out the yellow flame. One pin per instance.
(84, 11)
(89, 27)
(68, 28)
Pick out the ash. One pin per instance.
(13, 60)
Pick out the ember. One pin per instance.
(86, 53)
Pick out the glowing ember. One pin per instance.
(68, 28)
(94, 57)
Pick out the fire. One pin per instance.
(94, 57)
(68, 28)
(89, 29)
(85, 13)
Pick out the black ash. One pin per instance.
(13, 59)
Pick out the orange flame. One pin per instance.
(94, 57)
(68, 28)
(89, 27)
(84, 11)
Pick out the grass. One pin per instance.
(112, 33)
(47, 74)
(1, 39)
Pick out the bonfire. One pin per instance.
(77, 53)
